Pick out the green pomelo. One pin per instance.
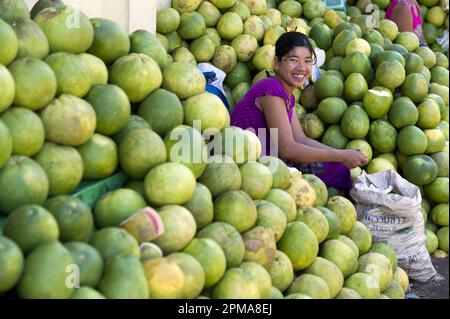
(183, 79)
(135, 122)
(362, 237)
(185, 145)
(167, 179)
(45, 273)
(11, 263)
(23, 182)
(441, 159)
(124, 278)
(328, 85)
(442, 236)
(347, 293)
(211, 257)
(35, 83)
(355, 122)
(334, 137)
(167, 20)
(271, 216)
(310, 285)
(331, 110)
(134, 157)
(409, 40)
(260, 246)
(192, 25)
(383, 136)
(63, 166)
(116, 206)
(69, 120)
(111, 42)
(194, 276)
(432, 242)
(356, 62)
(429, 114)
(378, 266)
(8, 88)
(414, 63)
(25, 142)
(221, 175)
(260, 276)
(179, 229)
(100, 157)
(329, 272)
(201, 206)
(365, 285)
(32, 41)
(403, 112)
(229, 26)
(228, 239)
(236, 283)
(86, 293)
(402, 277)
(165, 279)
(237, 209)
(67, 29)
(415, 87)
(74, 218)
(394, 291)
(390, 74)
(113, 241)
(300, 244)
(89, 262)
(72, 73)
(137, 75)
(420, 169)
(97, 68)
(341, 255)
(30, 226)
(355, 87)
(284, 201)
(436, 141)
(377, 102)
(412, 141)
(316, 221)
(257, 180)
(345, 211)
(362, 146)
(203, 48)
(146, 43)
(438, 190)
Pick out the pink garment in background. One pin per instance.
(417, 19)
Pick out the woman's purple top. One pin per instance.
(246, 114)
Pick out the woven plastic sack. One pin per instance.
(390, 207)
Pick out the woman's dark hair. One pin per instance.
(289, 40)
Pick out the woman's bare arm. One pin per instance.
(300, 137)
(288, 146)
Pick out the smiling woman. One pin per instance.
(268, 109)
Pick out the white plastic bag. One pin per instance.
(390, 207)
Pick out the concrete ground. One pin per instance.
(437, 287)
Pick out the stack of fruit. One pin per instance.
(93, 98)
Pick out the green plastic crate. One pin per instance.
(336, 5)
(2, 221)
(90, 191)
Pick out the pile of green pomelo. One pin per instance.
(80, 99)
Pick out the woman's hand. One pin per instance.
(353, 158)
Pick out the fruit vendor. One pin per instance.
(406, 14)
(270, 104)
